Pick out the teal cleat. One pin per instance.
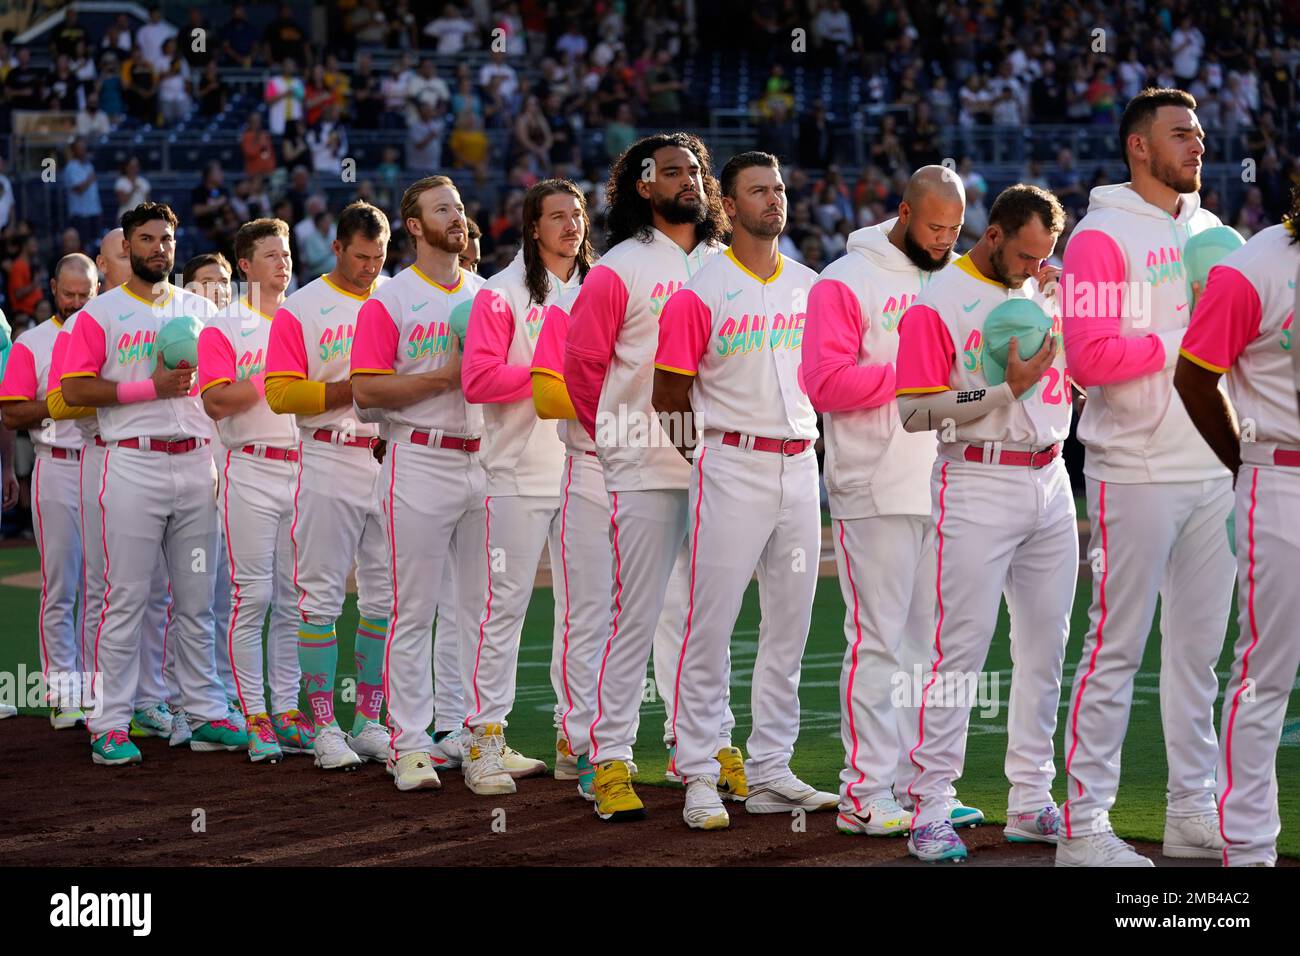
(262, 745)
(964, 816)
(217, 735)
(152, 720)
(114, 749)
(294, 731)
(586, 779)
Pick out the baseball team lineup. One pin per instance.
(211, 472)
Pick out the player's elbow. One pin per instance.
(363, 391)
(76, 391)
(8, 418)
(910, 415)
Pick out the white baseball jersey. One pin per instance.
(404, 330)
(113, 338)
(26, 378)
(232, 348)
(873, 465)
(939, 348)
(548, 357)
(87, 425)
(311, 338)
(522, 454)
(742, 337)
(609, 358)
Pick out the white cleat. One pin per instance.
(519, 766)
(332, 751)
(373, 743)
(484, 768)
(449, 753)
(66, 718)
(1098, 849)
(789, 793)
(181, 732)
(881, 817)
(414, 772)
(1193, 838)
(7, 711)
(704, 809)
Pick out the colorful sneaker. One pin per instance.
(449, 752)
(704, 809)
(1037, 826)
(414, 771)
(332, 751)
(566, 762)
(519, 766)
(217, 735)
(586, 779)
(671, 774)
(373, 742)
(262, 745)
(152, 720)
(294, 732)
(881, 817)
(936, 841)
(484, 769)
(66, 718)
(235, 714)
(731, 780)
(960, 815)
(614, 797)
(181, 732)
(114, 749)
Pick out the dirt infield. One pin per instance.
(61, 810)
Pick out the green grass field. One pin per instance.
(1139, 812)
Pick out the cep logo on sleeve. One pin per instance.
(974, 395)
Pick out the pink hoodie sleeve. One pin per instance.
(831, 339)
(548, 353)
(1095, 351)
(595, 319)
(485, 375)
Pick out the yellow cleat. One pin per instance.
(615, 798)
(731, 779)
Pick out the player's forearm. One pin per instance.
(1208, 409)
(288, 395)
(20, 415)
(229, 398)
(90, 391)
(399, 391)
(931, 411)
(848, 386)
(671, 399)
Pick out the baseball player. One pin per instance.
(662, 229)
(1242, 327)
(877, 476)
(729, 355)
(1157, 496)
(155, 486)
(208, 274)
(336, 507)
(255, 481)
(1003, 512)
(522, 454)
(55, 494)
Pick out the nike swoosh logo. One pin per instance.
(123, 318)
(967, 308)
(417, 308)
(732, 295)
(1179, 308)
(328, 311)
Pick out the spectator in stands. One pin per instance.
(424, 142)
(256, 145)
(338, 83)
(25, 84)
(886, 148)
(1047, 96)
(84, 209)
(209, 198)
(83, 66)
(68, 35)
(368, 24)
(112, 99)
(426, 86)
(284, 39)
(315, 247)
(1252, 217)
(1006, 98)
(367, 101)
(328, 142)
(833, 32)
(1132, 75)
(451, 29)
(174, 89)
(64, 93)
(621, 132)
(27, 279)
(293, 147)
(499, 77)
(403, 27)
(212, 92)
(298, 192)
(284, 97)
(664, 90)
(469, 145)
(532, 135)
(140, 87)
(572, 44)
(816, 144)
(151, 38)
(131, 188)
(316, 95)
(393, 92)
(1067, 184)
(1101, 97)
(776, 134)
(511, 26)
(119, 37)
(1186, 45)
(6, 195)
(69, 244)
(239, 39)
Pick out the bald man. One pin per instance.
(113, 261)
(878, 478)
(56, 497)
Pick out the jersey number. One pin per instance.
(1056, 387)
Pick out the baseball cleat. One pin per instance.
(881, 817)
(114, 749)
(294, 732)
(786, 794)
(960, 815)
(181, 732)
(586, 778)
(1098, 849)
(217, 735)
(1037, 826)
(262, 745)
(65, 718)
(7, 711)
(372, 743)
(566, 762)
(152, 720)
(671, 774)
(935, 842)
(613, 794)
(484, 768)
(704, 809)
(414, 772)
(449, 752)
(731, 779)
(332, 751)
(1193, 838)
(235, 714)
(519, 766)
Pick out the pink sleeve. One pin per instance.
(1226, 320)
(57, 357)
(485, 375)
(1095, 351)
(685, 326)
(925, 352)
(548, 353)
(374, 347)
(832, 337)
(286, 353)
(87, 351)
(216, 359)
(595, 319)
(19, 382)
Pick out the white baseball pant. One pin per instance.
(147, 498)
(157, 681)
(221, 615)
(425, 532)
(749, 511)
(997, 528)
(255, 498)
(56, 514)
(448, 692)
(1151, 540)
(1265, 661)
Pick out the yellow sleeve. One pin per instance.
(551, 397)
(61, 410)
(288, 395)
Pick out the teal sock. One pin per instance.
(318, 655)
(372, 636)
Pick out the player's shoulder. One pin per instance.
(512, 277)
(304, 296)
(797, 273)
(1259, 259)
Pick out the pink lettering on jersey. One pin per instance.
(894, 308)
(249, 365)
(533, 322)
(1164, 264)
(431, 339)
(134, 348)
(337, 343)
(660, 294)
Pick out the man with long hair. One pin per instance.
(665, 221)
(1243, 327)
(522, 456)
